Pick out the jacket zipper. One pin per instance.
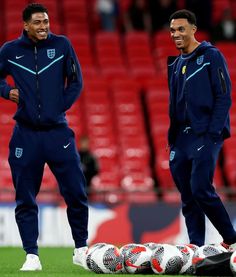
(185, 94)
(37, 82)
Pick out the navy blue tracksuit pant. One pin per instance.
(30, 149)
(192, 163)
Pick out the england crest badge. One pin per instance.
(172, 155)
(18, 152)
(200, 59)
(51, 53)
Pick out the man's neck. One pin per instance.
(191, 47)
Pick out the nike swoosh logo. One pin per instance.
(65, 146)
(200, 147)
(19, 57)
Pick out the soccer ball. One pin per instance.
(125, 247)
(137, 259)
(151, 245)
(105, 258)
(166, 259)
(233, 263)
(187, 255)
(207, 251)
(89, 254)
(221, 248)
(194, 247)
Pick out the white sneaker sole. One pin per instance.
(31, 269)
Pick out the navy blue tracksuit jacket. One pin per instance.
(200, 98)
(48, 77)
(40, 72)
(205, 89)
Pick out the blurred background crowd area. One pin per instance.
(122, 46)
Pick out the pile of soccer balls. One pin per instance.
(149, 258)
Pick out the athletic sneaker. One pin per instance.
(79, 256)
(229, 247)
(32, 263)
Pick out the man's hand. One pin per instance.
(14, 95)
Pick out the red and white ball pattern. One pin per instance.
(207, 251)
(233, 263)
(105, 258)
(187, 255)
(137, 259)
(166, 259)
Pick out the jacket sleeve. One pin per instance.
(4, 87)
(74, 80)
(221, 87)
(173, 127)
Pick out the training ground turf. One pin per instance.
(55, 262)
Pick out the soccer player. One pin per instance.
(200, 99)
(48, 81)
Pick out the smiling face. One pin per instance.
(182, 33)
(38, 26)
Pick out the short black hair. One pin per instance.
(33, 8)
(190, 16)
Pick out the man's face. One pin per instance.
(182, 33)
(37, 27)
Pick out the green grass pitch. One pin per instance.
(55, 262)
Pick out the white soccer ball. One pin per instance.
(187, 255)
(137, 259)
(194, 247)
(233, 263)
(207, 251)
(89, 254)
(151, 245)
(105, 258)
(125, 247)
(166, 259)
(220, 247)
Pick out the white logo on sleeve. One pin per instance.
(199, 148)
(65, 146)
(19, 57)
(18, 152)
(172, 155)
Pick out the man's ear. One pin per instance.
(194, 29)
(26, 28)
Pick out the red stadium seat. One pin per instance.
(96, 83)
(6, 179)
(125, 84)
(49, 183)
(162, 170)
(137, 39)
(218, 6)
(107, 39)
(137, 182)
(114, 72)
(202, 35)
(106, 181)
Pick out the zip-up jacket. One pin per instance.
(202, 79)
(47, 75)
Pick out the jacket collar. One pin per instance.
(26, 40)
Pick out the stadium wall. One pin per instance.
(120, 224)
